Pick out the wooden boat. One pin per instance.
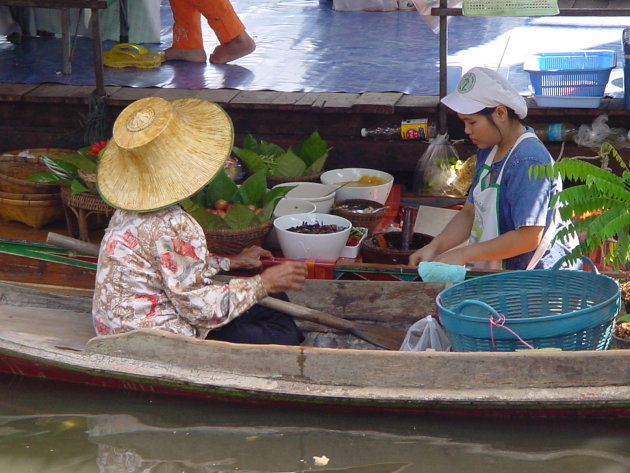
(48, 335)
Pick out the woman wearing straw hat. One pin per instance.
(154, 268)
(507, 218)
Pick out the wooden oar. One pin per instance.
(383, 337)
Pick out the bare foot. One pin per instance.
(191, 55)
(240, 46)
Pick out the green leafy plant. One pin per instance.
(223, 204)
(597, 207)
(304, 159)
(65, 168)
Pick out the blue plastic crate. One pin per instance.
(575, 73)
(546, 308)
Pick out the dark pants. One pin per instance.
(260, 325)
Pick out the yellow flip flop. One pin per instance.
(132, 55)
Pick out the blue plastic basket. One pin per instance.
(566, 309)
(576, 73)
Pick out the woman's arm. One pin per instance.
(507, 245)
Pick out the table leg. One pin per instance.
(66, 65)
(98, 53)
(124, 21)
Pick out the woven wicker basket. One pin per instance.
(275, 180)
(360, 219)
(34, 213)
(88, 179)
(233, 241)
(85, 201)
(22, 196)
(17, 165)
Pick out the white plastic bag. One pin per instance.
(426, 333)
(592, 136)
(435, 171)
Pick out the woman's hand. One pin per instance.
(249, 258)
(426, 253)
(284, 276)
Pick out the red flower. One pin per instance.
(96, 147)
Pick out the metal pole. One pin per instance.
(443, 66)
(66, 65)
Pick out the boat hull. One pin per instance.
(50, 336)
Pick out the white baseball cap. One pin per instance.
(483, 88)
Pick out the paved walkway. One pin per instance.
(304, 45)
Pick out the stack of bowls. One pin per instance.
(321, 195)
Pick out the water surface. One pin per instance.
(47, 427)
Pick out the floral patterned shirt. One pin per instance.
(155, 271)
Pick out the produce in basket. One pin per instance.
(224, 205)
(303, 159)
(77, 170)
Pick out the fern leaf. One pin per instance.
(576, 170)
(607, 148)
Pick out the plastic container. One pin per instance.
(546, 308)
(510, 7)
(555, 131)
(413, 129)
(568, 101)
(353, 251)
(582, 73)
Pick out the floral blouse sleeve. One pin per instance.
(187, 267)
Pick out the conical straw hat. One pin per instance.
(163, 152)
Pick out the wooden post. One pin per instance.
(66, 38)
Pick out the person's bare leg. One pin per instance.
(240, 46)
(191, 55)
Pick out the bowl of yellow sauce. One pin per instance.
(359, 183)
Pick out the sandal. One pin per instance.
(132, 55)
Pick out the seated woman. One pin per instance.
(154, 267)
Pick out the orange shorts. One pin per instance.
(187, 22)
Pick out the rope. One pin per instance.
(501, 324)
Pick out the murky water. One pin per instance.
(60, 428)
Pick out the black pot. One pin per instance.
(371, 252)
(619, 343)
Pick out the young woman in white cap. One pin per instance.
(506, 218)
(154, 268)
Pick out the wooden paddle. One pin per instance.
(383, 337)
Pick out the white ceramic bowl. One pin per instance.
(302, 246)
(287, 206)
(322, 195)
(336, 177)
